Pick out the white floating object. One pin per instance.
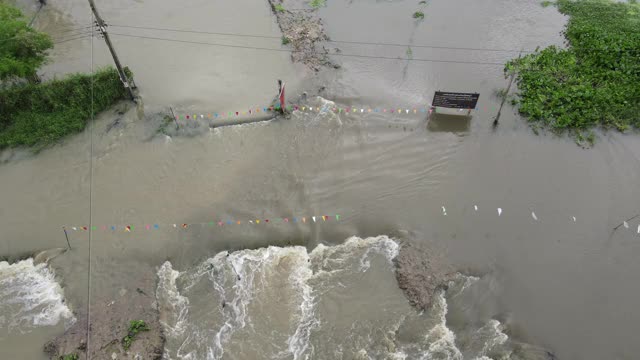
(174, 225)
(626, 224)
(499, 211)
(574, 219)
(361, 110)
(310, 108)
(314, 218)
(475, 207)
(75, 228)
(444, 211)
(533, 215)
(638, 229)
(407, 111)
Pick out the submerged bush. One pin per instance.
(594, 82)
(41, 114)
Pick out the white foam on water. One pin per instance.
(298, 343)
(398, 355)
(460, 283)
(493, 334)
(336, 255)
(239, 279)
(441, 340)
(30, 297)
(381, 245)
(243, 265)
(175, 305)
(325, 113)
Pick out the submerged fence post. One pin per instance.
(67, 236)
(281, 98)
(174, 117)
(495, 121)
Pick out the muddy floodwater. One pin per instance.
(526, 220)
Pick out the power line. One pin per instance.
(58, 32)
(14, 37)
(331, 41)
(364, 42)
(291, 51)
(62, 37)
(76, 38)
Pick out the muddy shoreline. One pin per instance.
(110, 319)
(303, 32)
(420, 274)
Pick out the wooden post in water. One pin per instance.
(281, 98)
(67, 236)
(174, 117)
(497, 118)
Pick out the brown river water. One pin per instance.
(532, 214)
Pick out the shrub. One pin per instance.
(592, 83)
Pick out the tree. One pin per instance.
(22, 49)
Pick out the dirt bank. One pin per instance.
(419, 273)
(110, 318)
(302, 30)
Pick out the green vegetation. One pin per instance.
(135, 327)
(69, 357)
(409, 53)
(34, 114)
(422, 2)
(418, 15)
(22, 49)
(285, 40)
(547, 3)
(593, 83)
(279, 7)
(166, 121)
(316, 4)
(40, 114)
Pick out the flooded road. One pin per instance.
(565, 285)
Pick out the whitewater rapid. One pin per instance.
(30, 297)
(335, 302)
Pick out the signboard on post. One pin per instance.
(455, 100)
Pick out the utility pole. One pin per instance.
(103, 30)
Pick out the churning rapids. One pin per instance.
(31, 298)
(335, 302)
